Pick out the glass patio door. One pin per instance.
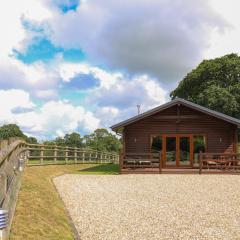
(171, 151)
(184, 151)
(178, 150)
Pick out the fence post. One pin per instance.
(90, 157)
(27, 153)
(160, 162)
(55, 154)
(200, 162)
(75, 154)
(121, 161)
(66, 155)
(83, 157)
(41, 154)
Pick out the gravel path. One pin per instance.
(153, 206)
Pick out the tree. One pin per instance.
(102, 140)
(11, 130)
(49, 142)
(214, 84)
(73, 140)
(31, 140)
(60, 141)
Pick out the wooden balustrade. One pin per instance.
(140, 160)
(219, 161)
(39, 154)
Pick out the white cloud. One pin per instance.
(140, 43)
(126, 93)
(219, 43)
(12, 100)
(13, 73)
(117, 95)
(55, 116)
(52, 119)
(70, 70)
(37, 78)
(161, 38)
(12, 13)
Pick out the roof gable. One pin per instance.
(183, 102)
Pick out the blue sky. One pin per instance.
(70, 65)
(43, 50)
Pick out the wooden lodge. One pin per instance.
(179, 136)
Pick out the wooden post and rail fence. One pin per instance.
(207, 162)
(39, 154)
(15, 154)
(12, 161)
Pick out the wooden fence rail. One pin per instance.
(39, 154)
(12, 159)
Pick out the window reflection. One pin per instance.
(199, 145)
(156, 146)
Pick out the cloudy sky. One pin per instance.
(76, 65)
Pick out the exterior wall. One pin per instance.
(138, 135)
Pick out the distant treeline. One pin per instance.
(101, 139)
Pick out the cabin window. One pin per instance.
(199, 145)
(156, 146)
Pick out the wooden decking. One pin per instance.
(176, 171)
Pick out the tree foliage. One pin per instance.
(73, 139)
(32, 140)
(103, 140)
(214, 84)
(10, 130)
(13, 130)
(100, 139)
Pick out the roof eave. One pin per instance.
(197, 107)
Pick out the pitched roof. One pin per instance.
(175, 102)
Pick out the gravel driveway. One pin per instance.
(153, 206)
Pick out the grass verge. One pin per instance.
(40, 213)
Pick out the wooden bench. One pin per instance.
(138, 162)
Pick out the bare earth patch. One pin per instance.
(153, 206)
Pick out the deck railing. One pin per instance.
(219, 161)
(140, 160)
(40, 154)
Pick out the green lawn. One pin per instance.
(40, 213)
(101, 169)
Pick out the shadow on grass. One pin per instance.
(101, 169)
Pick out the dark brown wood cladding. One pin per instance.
(221, 135)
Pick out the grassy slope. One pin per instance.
(40, 213)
